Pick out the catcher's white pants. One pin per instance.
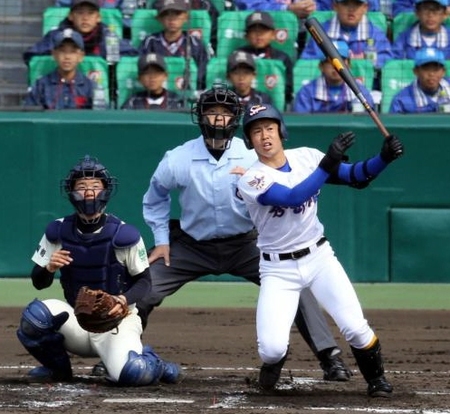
(281, 284)
(112, 347)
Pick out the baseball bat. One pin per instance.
(330, 51)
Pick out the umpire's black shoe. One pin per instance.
(99, 370)
(379, 387)
(333, 367)
(270, 374)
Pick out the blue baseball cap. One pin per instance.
(341, 1)
(342, 48)
(429, 55)
(443, 3)
(68, 34)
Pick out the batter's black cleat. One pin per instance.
(379, 387)
(332, 365)
(269, 374)
(99, 370)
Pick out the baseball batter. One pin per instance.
(281, 191)
(94, 249)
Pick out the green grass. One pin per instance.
(19, 292)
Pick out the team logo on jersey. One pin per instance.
(255, 109)
(257, 182)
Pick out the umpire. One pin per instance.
(215, 234)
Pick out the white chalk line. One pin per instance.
(236, 402)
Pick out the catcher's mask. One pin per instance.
(217, 135)
(264, 111)
(89, 167)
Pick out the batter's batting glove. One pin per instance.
(336, 152)
(392, 149)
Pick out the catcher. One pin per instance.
(104, 271)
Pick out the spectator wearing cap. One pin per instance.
(402, 6)
(84, 17)
(152, 72)
(430, 91)
(351, 25)
(65, 87)
(260, 34)
(173, 40)
(241, 74)
(328, 92)
(428, 31)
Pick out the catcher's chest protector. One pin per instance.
(94, 261)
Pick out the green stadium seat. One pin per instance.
(231, 32)
(376, 17)
(94, 67)
(404, 21)
(144, 22)
(305, 70)
(218, 4)
(270, 77)
(396, 75)
(128, 83)
(53, 16)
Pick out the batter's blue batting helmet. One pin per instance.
(89, 167)
(264, 111)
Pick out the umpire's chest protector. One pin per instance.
(94, 260)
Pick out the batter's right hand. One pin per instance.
(163, 250)
(336, 151)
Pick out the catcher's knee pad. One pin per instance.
(38, 321)
(144, 369)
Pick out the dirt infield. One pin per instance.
(218, 351)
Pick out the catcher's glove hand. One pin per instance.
(98, 311)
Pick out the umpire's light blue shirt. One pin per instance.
(210, 207)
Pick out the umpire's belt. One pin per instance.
(298, 254)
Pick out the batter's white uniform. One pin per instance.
(112, 347)
(285, 230)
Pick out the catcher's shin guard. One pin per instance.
(37, 333)
(370, 363)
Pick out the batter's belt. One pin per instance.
(298, 254)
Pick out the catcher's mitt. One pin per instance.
(92, 308)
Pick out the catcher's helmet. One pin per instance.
(89, 167)
(264, 111)
(221, 95)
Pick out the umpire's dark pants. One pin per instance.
(237, 256)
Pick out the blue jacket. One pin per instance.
(94, 43)
(153, 43)
(409, 41)
(405, 101)
(313, 98)
(374, 5)
(400, 6)
(357, 42)
(50, 92)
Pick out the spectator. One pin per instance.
(328, 92)
(430, 91)
(241, 73)
(302, 9)
(85, 18)
(152, 72)
(260, 33)
(173, 41)
(323, 5)
(209, 6)
(365, 40)
(65, 87)
(351, 25)
(428, 31)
